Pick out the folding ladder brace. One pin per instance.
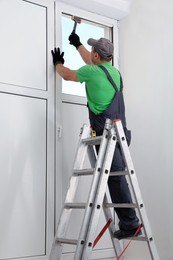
(97, 199)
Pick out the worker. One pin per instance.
(104, 101)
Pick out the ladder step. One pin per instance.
(121, 205)
(92, 140)
(139, 238)
(67, 241)
(75, 205)
(84, 172)
(107, 205)
(118, 173)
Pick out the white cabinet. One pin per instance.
(26, 129)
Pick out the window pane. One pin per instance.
(72, 58)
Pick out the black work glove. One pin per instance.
(74, 40)
(57, 57)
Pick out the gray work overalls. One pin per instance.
(118, 187)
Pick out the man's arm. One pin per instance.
(66, 73)
(85, 54)
(75, 41)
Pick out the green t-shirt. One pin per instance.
(99, 90)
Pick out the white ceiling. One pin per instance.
(115, 9)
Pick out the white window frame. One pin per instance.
(63, 8)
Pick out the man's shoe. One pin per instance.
(120, 234)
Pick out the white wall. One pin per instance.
(146, 53)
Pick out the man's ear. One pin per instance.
(96, 55)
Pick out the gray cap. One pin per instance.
(103, 46)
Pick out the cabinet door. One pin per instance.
(23, 44)
(23, 176)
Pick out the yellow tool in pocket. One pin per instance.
(93, 133)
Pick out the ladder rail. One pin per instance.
(100, 192)
(107, 212)
(91, 198)
(65, 215)
(108, 215)
(135, 189)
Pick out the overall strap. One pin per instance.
(111, 80)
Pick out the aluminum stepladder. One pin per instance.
(97, 199)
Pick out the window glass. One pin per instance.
(85, 30)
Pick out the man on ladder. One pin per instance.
(105, 100)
